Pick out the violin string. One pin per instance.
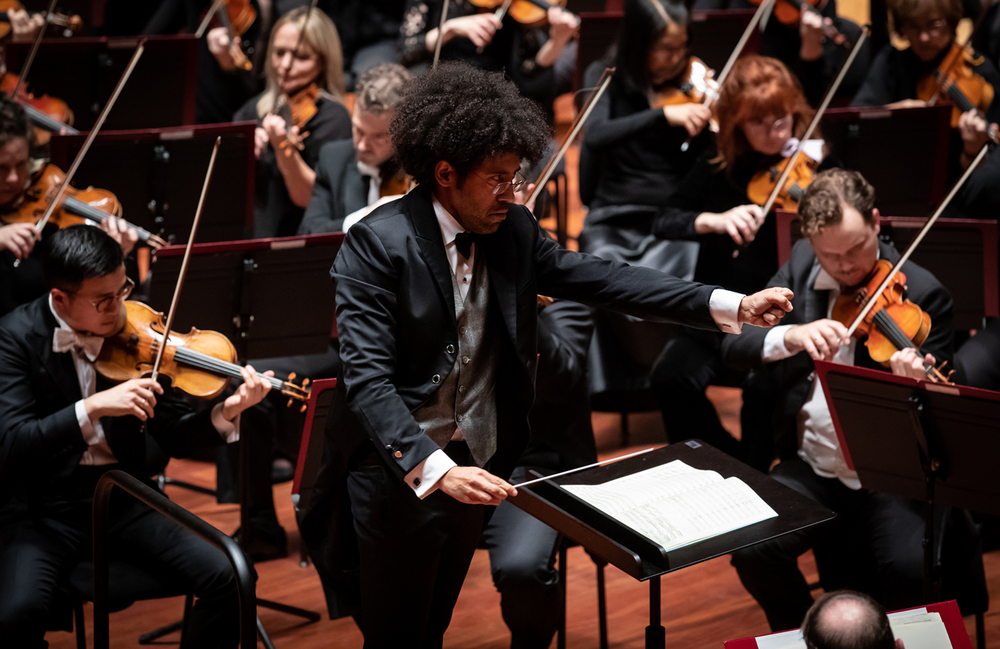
(891, 330)
(203, 361)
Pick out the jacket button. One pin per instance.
(436, 379)
(397, 455)
(450, 349)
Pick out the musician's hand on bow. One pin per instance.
(119, 231)
(973, 129)
(740, 223)
(135, 397)
(19, 238)
(765, 308)
(249, 394)
(260, 141)
(908, 362)
(693, 117)
(474, 486)
(820, 339)
(218, 44)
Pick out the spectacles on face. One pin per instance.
(104, 304)
(500, 186)
(934, 29)
(777, 126)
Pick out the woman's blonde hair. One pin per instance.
(321, 36)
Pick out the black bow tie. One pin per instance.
(464, 241)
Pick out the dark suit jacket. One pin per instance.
(799, 273)
(40, 438)
(399, 338)
(340, 189)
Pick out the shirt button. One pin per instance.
(450, 349)
(436, 379)
(465, 360)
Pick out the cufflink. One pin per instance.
(397, 455)
(416, 482)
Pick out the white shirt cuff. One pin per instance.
(725, 308)
(230, 430)
(91, 434)
(424, 477)
(774, 345)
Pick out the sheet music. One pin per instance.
(918, 629)
(675, 504)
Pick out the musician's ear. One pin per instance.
(445, 174)
(875, 220)
(59, 297)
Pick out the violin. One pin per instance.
(789, 12)
(530, 13)
(199, 363)
(695, 85)
(69, 23)
(47, 114)
(966, 89)
(894, 322)
(78, 206)
(297, 109)
(764, 182)
(396, 185)
(236, 16)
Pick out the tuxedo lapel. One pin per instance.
(817, 301)
(503, 275)
(59, 366)
(428, 232)
(355, 188)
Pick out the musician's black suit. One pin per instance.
(398, 336)
(40, 449)
(340, 189)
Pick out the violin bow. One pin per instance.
(208, 18)
(54, 203)
(440, 38)
(588, 107)
(184, 263)
(498, 14)
(35, 44)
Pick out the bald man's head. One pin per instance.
(847, 620)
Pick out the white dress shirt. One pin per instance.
(423, 479)
(819, 444)
(98, 452)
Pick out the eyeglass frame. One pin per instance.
(935, 29)
(501, 186)
(121, 295)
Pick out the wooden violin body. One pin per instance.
(693, 86)
(764, 182)
(58, 111)
(396, 185)
(530, 13)
(69, 23)
(79, 205)
(236, 17)
(297, 109)
(959, 82)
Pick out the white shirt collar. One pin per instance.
(449, 226)
(368, 170)
(59, 321)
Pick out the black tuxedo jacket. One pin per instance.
(40, 438)
(791, 375)
(340, 189)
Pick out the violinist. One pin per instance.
(538, 59)
(841, 248)
(62, 426)
(353, 174)
(906, 78)
(761, 112)
(310, 82)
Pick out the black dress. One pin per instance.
(275, 215)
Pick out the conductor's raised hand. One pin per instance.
(766, 308)
(474, 486)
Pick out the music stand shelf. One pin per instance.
(641, 558)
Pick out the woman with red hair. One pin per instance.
(761, 112)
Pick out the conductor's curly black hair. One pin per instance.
(464, 115)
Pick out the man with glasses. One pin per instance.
(62, 427)
(437, 315)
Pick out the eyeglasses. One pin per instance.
(500, 187)
(934, 29)
(104, 304)
(775, 127)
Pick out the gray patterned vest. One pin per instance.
(467, 397)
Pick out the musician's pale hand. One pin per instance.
(474, 486)
(693, 117)
(23, 25)
(136, 397)
(250, 393)
(740, 223)
(274, 126)
(811, 30)
(19, 238)
(765, 308)
(260, 142)
(218, 44)
(478, 28)
(973, 129)
(119, 231)
(907, 362)
(563, 25)
(820, 339)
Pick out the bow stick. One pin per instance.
(440, 38)
(34, 49)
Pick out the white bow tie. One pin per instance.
(812, 148)
(64, 340)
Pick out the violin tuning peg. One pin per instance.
(306, 382)
(302, 408)
(289, 404)
(291, 376)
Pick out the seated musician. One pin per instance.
(761, 112)
(62, 426)
(896, 77)
(285, 173)
(353, 174)
(842, 245)
(538, 60)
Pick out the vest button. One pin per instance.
(398, 455)
(462, 331)
(458, 417)
(450, 349)
(465, 360)
(461, 388)
(436, 379)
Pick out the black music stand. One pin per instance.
(157, 174)
(271, 297)
(919, 440)
(83, 72)
(640, 557)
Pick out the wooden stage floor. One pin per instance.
(702, 606)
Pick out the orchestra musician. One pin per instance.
(436, 311)
(62, 427)
(761, 112)
(353, 174)
(285, 174)
(841, 247)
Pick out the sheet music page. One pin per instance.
(918, 629)
(675, 504)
